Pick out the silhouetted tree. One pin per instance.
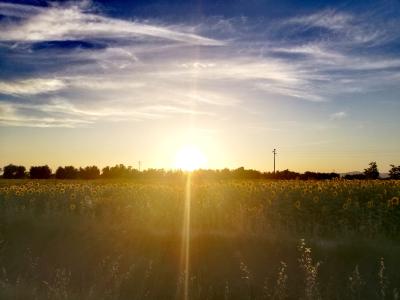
(318, 176)
(225, 173)
(355, 176)
(120, 171)
(154, 173)
(285, 174)
(68, 172)
(92, 172)
(14, 172)
(40, 172)
(372, 171)
(394, 172)
(242, 173)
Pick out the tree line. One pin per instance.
(121, 171)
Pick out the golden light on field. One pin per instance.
(190, 158)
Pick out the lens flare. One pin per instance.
(183, 290)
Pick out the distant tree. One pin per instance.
(60, 173)
(91, 172)
(284, 175)
(355, 176)
(394, 172)
(40, 172)
(225, 173)
(105, 172)
(154, 173)
(372, 171)
(14, 172)
(242, 173)
(318, 176)
(68, 172)
(120, 171)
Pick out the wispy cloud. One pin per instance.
(31, 86)
(147, 69)
(346, 28)
(329, 19)
(72, 22)
(10, 116)
(19, 10)
(62, 113)
(338, 115)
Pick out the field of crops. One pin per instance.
(246, 239)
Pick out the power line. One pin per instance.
(274, 152)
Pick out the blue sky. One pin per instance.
(103, 82)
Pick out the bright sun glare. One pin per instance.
(190, 158)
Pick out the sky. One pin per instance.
(107, 82)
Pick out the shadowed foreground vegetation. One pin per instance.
(249, 239)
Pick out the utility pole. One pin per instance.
(274, 152)
(140, 164)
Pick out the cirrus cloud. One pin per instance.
(91, 67)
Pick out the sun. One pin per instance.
(189, 158)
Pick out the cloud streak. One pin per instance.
(31, 86)
(71, 23)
